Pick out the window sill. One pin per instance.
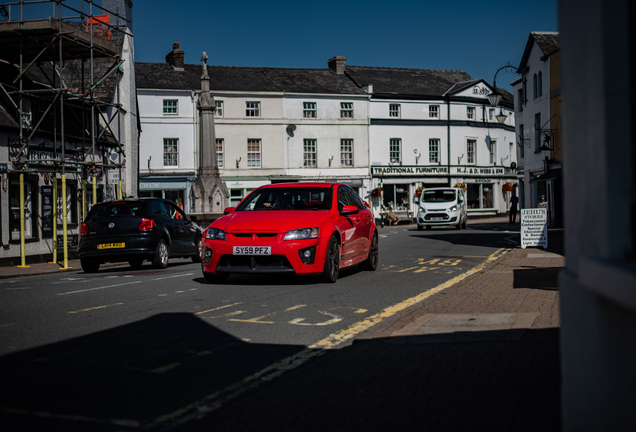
(26, 240)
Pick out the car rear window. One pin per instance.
(117, 209)
(288, 198)
(438, 195)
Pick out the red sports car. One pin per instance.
(301, 228)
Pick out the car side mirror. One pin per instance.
(367, 204)
(347, 210)
(228, 210)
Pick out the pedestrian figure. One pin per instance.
(514, 201)
(393, 218)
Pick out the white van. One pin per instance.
(442, 206)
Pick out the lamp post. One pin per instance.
(381, 174)
(495, 97)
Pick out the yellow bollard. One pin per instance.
(83, 200)
(94, 190)
(22, 252)
(64, 227)
(120, 193)
(55, 219)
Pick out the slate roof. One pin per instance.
(547, 41)
(415, 82)
(235, 78)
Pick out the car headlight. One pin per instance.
(302, 233)
(422, 210)
(215, 234)
(453, 208)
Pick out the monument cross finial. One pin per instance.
(204, 59)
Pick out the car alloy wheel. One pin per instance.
(371, 263)
(332, 261)
(162, 255)
(197, 257)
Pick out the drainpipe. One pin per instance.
(448, 137)
(194, 145)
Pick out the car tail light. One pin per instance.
(83, 229)
(146, 224)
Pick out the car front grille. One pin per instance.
(254, 264)
(436, 215)
(259, 235)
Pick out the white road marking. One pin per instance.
(335, 318)
(98, 288)
(174, 276)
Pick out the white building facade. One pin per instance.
(537, 117)
(423, 134)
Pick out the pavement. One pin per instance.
(480, 354)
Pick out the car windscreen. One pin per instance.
(117, 209)
(288, 198)
(438, 195)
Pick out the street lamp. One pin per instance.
(495, 97)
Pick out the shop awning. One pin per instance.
(550, 175)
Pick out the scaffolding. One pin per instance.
(66, 90)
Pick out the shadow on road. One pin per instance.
(145, 375)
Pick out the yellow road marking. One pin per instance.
(404, 270)
(96, 307)
(165, 368)
(360, 311)
(220, 307)
(335, 318)
(217, 399)
(8, 325)
(257, 320)
(423, 269)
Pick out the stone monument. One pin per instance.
(211, 196)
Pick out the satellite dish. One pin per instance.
(290, 130)
(513, 165)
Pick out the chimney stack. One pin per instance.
(337, 64)
(176, 57)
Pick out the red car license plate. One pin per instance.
(252, 250)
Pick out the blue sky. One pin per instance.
(475, 36)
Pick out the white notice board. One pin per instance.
(534, 227)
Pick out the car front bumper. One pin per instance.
(284, 258)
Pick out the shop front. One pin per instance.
(174, 188)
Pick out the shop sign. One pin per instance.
(534, 227)
(71, 240)
(409, 170)
(486, 171)
(157, 185)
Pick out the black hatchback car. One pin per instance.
(135, 230)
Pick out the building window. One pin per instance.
(395, 150)
(252, 109)
(433, 111)
(346, 152)
(394, 110)
(346, 109)
(520, 100)
(170, 152)
(433, 150)
(170, 107)
(493, 151)
(471, 144)
(522, 143)
(534, 86)
(480, 195)
(71, 204)
(29, 205)
(537, 133)
(309, 153)
(253, 153)
(540, 84)
(470, 112)
(491, 114)
(218, 111)
(219, 152)
(309, 109)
